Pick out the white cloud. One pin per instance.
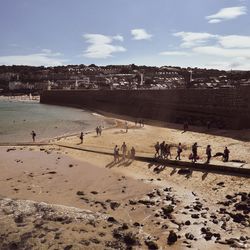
(192, 39)
(140, 34)
(118, 38)
(45, 58)
(101, 46)
(227, 14)
(174, 53)
(235, 41)
(223, 52)
(214, 21)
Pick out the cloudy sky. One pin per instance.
(195, 33)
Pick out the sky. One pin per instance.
(185, 33)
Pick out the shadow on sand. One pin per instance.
(120, 163)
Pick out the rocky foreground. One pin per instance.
(33, 225)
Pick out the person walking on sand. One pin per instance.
(157, 149)
(179, 150)
(100, 130)
(116, 154)
(132, 153)
(226, 154)
(208, 153)
(162, 148)
(81, 137)
(97, 131)
(33, 134)
(124, 150)
(126, 127)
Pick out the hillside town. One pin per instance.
(29, 79)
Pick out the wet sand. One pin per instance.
(200, 207)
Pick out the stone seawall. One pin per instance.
(225, 108)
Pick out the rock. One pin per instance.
(136, 224)
(147, 202)
(19, 218)
(238, 217)
(187, 223)
(130, 239)
(172, 237)
(217, 236)
(220, 183)
(94, 192)
(112, 220)
(242, 206)
(68, 247)
(229, 197)
(132, 202)
(167, 210)
(208, 236)
(114, 205)
(80, 193)
(195, 216)
(189, 236)
(124, 226)
(151, 195)
(151, 244)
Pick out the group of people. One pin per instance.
(98, 130)
(130, 154)
(163, 150)
(140, 122)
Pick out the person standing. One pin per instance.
(179, 150)
(100, 130)
(194, 152)
(162, 148)
(124, 150)
(33, 134)
(97, 131)
(116, 153)
(81, 137)
(208, 153)
(132, 153)
(126, 127)
(157, 149)
(226, 154)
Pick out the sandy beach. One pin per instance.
(54, 197)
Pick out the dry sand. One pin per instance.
(151, 200)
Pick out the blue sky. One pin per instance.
(195, 33)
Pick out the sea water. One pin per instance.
(18, 119)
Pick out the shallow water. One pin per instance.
(18, 119)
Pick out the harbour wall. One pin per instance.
(223, 108)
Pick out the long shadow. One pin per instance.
(173, 171)
(111, 164)
(159, 168)
(204, 176)
(125, 163)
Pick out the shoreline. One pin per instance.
(150, 198)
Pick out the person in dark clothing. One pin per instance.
(33, 134)
(194, 152)
(97, 130)
(208, 153)
(81, 137)
(157, 149)
(162, 148)
(226, 155)
(132, 153)
(179, 150)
